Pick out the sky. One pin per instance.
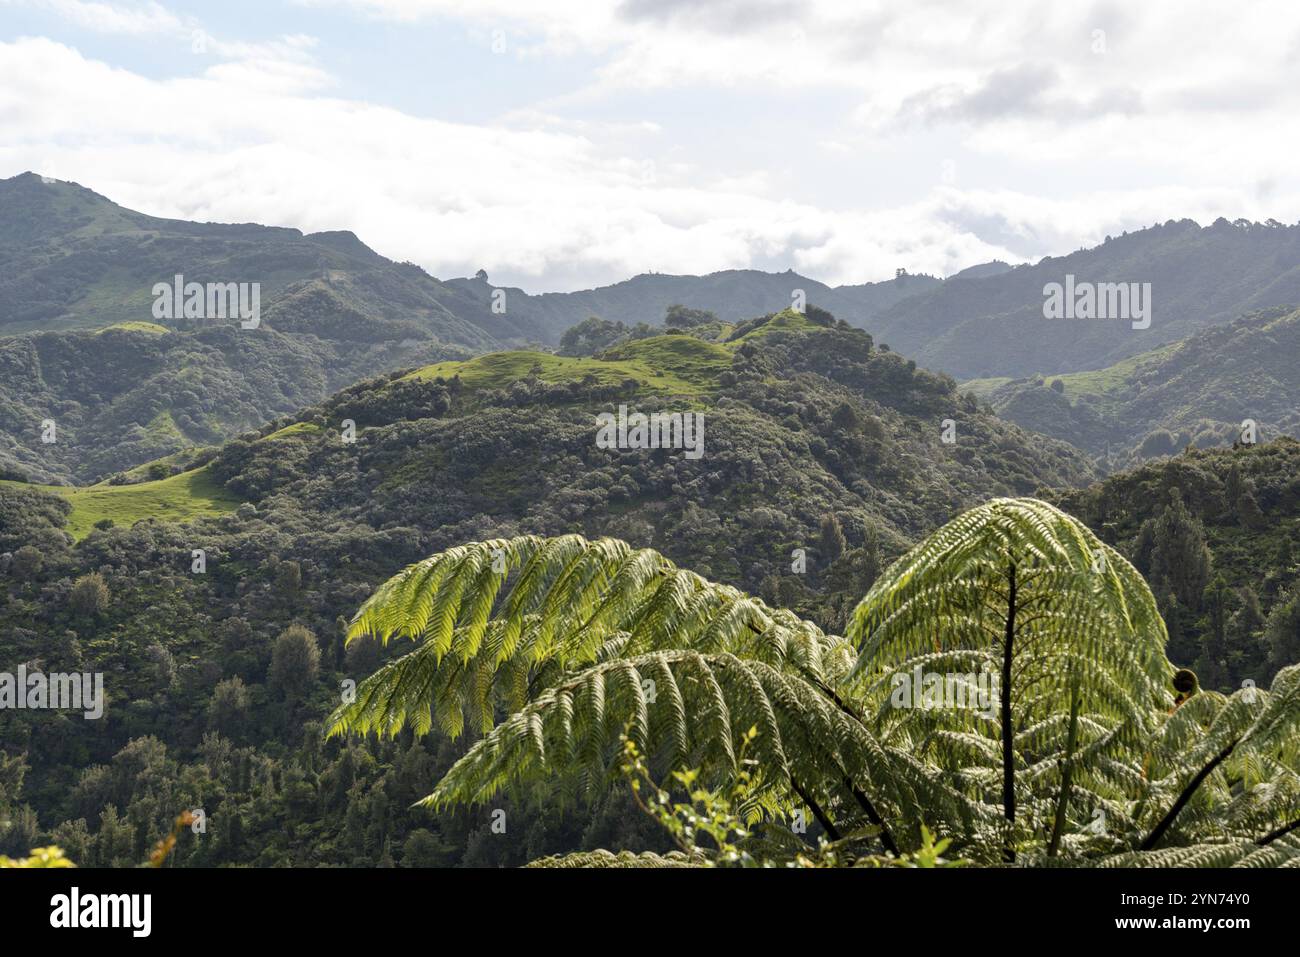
(564, 144)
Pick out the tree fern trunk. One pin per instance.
(1154, 837)
(1008, 734)
(822, 817)
(1067, 773)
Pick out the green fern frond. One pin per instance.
(603, 858)
(482, 639)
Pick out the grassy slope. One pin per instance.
(1198, 390)
(787, 321)
(137, 326)
(1095, 382)
(298, 428)
(662, 365)
(1114, 378)
(177, 498)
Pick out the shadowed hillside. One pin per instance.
(1198, 391)
(1199, 276)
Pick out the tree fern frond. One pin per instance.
(483, 639)
(1228, 854)
(603, 859)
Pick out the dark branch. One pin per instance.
(1154, 837)
(822, 817)
(1282, 831)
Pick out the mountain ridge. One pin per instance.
(1200, 276)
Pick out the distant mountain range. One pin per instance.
(733, 295)
(73, 264)
(994, 325)
(72, 258)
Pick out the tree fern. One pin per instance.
(1065, 623)
(1087, 756)
(499, 621)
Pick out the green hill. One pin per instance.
(1197, 391)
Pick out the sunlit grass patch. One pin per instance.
(177, 498)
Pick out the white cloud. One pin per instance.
(1188, 115)
(104, 17)
(542, 207)
(894, 52)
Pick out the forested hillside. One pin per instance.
(1199, 391)
(218, 681)
(124, 395)
(1216, 533)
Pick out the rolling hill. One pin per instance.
(1198, 391)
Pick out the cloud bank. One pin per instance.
(1053, 128)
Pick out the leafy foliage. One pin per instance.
(607, 638)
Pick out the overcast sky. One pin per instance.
(561, 144)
